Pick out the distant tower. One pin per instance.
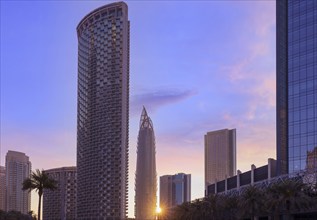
(220, 155)
(18, 168)
(61, 203)
(2, 187)
(145, 178)
(103, 113)
(174, 190)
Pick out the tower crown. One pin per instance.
(145, 120)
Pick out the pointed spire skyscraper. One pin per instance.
(145, 178)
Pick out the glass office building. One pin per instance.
(296, 85)
(181, 188)
(174, 190)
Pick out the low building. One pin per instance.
(250, 177)
(61, 203)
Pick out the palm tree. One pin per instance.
(288, 195)
(215, 203)
(231, 206)
(177, 212)
(251, 201)
(39, 181)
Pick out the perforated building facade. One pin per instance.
(61, 203)
(103, 113)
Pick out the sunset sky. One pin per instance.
(196, 66)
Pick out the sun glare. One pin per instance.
(158, 210)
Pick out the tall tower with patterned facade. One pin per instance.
(103, 113)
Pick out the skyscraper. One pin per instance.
(2, 187)
(61, 203)
(103, 113)
(220, 155)
(174, 190)
(145, 177)
(296, 74)
(18, 168)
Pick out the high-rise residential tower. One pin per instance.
(18, 168)
(61, 203)
(2, 187)
(220, 155)
(296, 75)
(174, 190)
(145, 177)
(103, 113)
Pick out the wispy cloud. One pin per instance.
(155, 99)
(253, 75)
